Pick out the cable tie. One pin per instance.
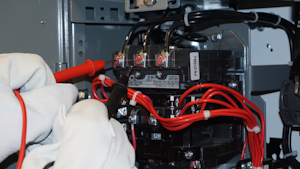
(172, 98)
(278, 21)
(186, 16)
(256, 17)
(293, 153)
(102, 78)
(132, 102)
(206, 114)
(255, 129)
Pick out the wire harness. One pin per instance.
(255, 138)
(223, 16)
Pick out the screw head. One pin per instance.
(260, 28)
(216, 37)
(137, 74)
(158, 74)
(188, 154)
(152, 121)
(249, 165)
(149, 2)
(232, 85)
(132, 119)
(82, 95)
(122, 112)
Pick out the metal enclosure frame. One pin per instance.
(66, 33)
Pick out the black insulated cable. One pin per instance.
(286, 147)
(147, 36)
(147, 23)
(200, 16)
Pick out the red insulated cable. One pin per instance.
(244, 148)
(231, 101)
(148, 99)
(23, 140)
(243, 98)
(235, 93)
(219, 93)
(103, 92)
(140, 98)
(133, 137)
(94, 91)
(255, 140)
(88, 68)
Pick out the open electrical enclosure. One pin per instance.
(66, 33)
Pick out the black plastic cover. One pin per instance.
(289, 104)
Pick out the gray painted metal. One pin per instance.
(139, 5)
(230, 164)
(268, 78)
(77, 52)
(104, 12)
(29, 26)
(100, 42)
(60, 30)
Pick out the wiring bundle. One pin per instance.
(256, 134)
(222, 16)
(255, 137)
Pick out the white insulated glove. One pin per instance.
(88, 140)
(41, 94)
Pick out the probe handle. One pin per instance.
(118, 90)
(88, 68)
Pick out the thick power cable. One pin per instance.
(200, 16)
(286, 147)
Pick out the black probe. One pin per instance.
(119, 90)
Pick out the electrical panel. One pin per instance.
(167, 58)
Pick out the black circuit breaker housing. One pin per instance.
(289, 104)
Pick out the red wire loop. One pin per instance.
(255, 141)
(23, 140)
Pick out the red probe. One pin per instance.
(88, 68)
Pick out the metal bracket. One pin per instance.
(142, 5)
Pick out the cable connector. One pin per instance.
(162, 59)
(102, 78)
(255, 129)
(132, 102)
(206, 114)
(119, 59)
(293, 153)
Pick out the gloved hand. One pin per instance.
(41, 94)
(87, 140)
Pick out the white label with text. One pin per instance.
(194, 66)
